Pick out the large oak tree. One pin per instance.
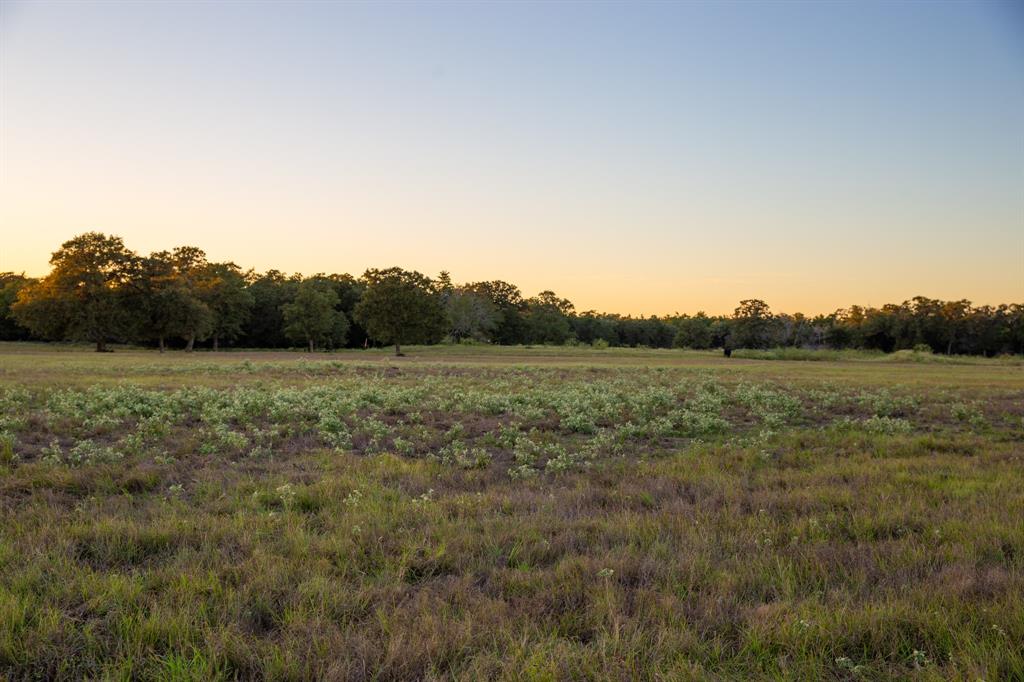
(83, 297)
(312, 316)
(401, 307)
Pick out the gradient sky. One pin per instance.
(635, 158)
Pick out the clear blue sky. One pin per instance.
(634, 157)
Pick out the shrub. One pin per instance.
(887, 425)
(970, 414)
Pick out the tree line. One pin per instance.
(100, 291)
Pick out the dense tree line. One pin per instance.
(101, 292)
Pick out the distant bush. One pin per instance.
(600, 344)
(805, 354)
(934, 358)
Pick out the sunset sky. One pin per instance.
(635, 158)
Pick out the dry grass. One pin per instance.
(721, 520)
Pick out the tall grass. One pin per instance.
(330, 521)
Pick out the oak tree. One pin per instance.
(401, 307)
(83, 296)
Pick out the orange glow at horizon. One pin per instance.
(669, 174)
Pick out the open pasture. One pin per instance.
(509, 513)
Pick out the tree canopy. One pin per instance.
(83, 296)
(100, 291)
(312, 316)
(401, 307)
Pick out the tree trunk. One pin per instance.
(161, 344)
(311, 345)
(216, 343)
(191, 343)
(949, 347)
(398, 350)
(101, 346)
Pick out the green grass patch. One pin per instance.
(487, 514)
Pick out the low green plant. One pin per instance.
(7, 456)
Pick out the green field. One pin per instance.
(509, 513)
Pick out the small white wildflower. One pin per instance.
(287, 494)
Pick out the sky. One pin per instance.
(639, 158)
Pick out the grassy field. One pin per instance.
(509, 513)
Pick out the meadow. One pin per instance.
(469, 513)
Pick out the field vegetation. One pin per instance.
(485, 513)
